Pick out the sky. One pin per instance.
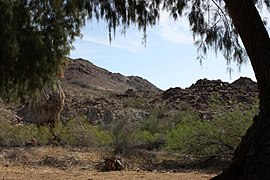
(168, 59)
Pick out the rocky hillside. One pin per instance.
(101, 96)
(205, 94)
(83, 76)
(95, 93)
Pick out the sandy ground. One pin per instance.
(39, 173)
(55, 163)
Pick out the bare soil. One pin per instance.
(65, 163)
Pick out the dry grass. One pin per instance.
(65, 163)
(22, 172)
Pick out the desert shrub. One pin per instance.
(43, 135)
(11, 135)
(134, 102)
(81, 133)
(148, 140)
(123, 132)
(102, 137)
(225, 132)
(217, 137)
(151, 133)
(181, 138)
(154, 125)
(145, 136)
(73, 133)
(157, 123)
(183, 106)
(188, 116)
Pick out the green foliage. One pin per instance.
(183, 132)
(35, 37)
(20, 135)
(154, 124)
(15, 135)
(146, 139)
(228, 129)
(161, 121)
(73, 133)
(152, 131)
(123, 134)
(124, 13)
(217, 137)
(42, 134)
(179, 137)
(81, 133)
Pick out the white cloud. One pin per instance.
(174, 31)
(130, 43)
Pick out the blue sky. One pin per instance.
(167, 60)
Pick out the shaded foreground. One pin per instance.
(70, 163)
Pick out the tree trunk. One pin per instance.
(46, 107)
(252, 158)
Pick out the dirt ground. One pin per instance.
(54, 163)
(20, 172)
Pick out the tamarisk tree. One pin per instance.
(35, 38)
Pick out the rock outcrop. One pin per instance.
(205, 93)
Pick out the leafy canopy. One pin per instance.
(210, 23)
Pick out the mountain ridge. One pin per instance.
(84, 74)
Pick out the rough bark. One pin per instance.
(45, 108)
(252, 157)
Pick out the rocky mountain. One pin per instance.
(100, 96)
(96, 94)
(205, 94)
(83, 76)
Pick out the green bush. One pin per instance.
(81, 133)
(11, 135)
(43, 135)
(182, 137)
(102, 138)
(217, 137)
(181, 131)
(123, 132)
(146, 139)
(73, 133)
(154, 125)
